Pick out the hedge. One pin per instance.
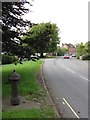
(8, 59)
(86, 57)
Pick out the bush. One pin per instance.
(86, 57)
(8, 59)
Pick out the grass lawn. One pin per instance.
(27, 87)
(32, 113)
(27, 83)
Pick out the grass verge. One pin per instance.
(27, 83)
(32, 113)
(27, 87)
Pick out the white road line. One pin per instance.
(84, 78)
(71, 108)
(63, 103)
(70, 70)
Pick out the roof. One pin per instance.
(69, 45)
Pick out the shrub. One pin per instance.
(86, 57)
(8, 59)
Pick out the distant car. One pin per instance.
(74, 55)
(34, 57)
(66, 56)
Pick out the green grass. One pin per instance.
(27, 83)
(27, 87)
(32, 113)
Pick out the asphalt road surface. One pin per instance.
(67, 80)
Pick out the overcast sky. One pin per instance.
(71, 17)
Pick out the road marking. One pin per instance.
(71, 108)
(84, 78)
(70, 70)
(63, 103)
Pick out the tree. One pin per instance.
(61, 51)
(80, 50)
(43, 37)
(13, 26)
(87, 47)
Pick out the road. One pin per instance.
(67, 80)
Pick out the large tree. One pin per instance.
(43, 37)
(13, 26)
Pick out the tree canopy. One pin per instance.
(13, 25)
(81, 49)
(61, 51)
(43, 37)
(87, 47)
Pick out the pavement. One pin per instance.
(67, 81)
(24, 104)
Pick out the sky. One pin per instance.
(71, 17)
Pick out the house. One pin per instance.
(71, 48)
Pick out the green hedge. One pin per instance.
(8, 59)
(86, 57)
